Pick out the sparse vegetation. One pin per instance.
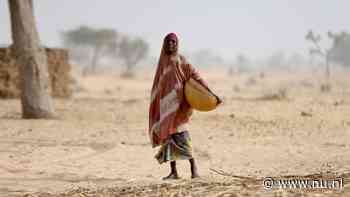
(89, 43)
(278, 94)
(251, 81)
(131, 51)
(92, 44)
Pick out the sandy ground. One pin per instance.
(99, 145)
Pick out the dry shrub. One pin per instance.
(306, 84)
(303, 113)
(108, 91)
(262, 75)
(130, 101)
(127, 75)
(279, 94)
(236, 88)
(326, 87)
(251, 81)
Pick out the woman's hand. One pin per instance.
(219, 100)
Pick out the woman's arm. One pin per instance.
(194, 74)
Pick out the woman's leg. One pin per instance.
(173, 171)
(194, 170)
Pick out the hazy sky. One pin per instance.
(253, 27)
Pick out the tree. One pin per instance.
(31, 57)
(99, 41)
(206, 58)
(340, 48)
(277, 61)
(295, 61)
(132, 51)
(242, 63)
(317, 50)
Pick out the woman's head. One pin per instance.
(171, 44)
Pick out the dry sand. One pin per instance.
(99, 146)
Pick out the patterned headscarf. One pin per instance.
(165, 96)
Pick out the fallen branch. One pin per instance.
(223, 173)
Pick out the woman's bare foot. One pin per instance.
(173, 173)
(194, 170)
(171, 176)
(193, 176)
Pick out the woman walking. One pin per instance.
(169, 112)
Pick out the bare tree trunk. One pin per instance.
(92, 68)
(326, 87)
(328, 71)
(130, 68)
(95, 58)
(35, 96)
